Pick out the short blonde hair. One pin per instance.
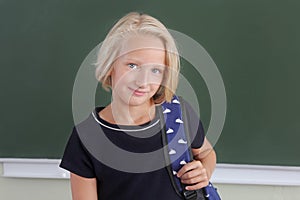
(138, 23)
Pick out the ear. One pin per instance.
(107, 79)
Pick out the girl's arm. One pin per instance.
(83, 188)
(197, 173)
(207, 156)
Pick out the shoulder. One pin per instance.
(91, 120)
(195, 126)
(190, 111)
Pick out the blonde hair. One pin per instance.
(139, 24)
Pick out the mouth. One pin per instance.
(137, 92)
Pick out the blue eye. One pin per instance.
(156, 71)
(132, 66)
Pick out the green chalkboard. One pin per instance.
(255, 45)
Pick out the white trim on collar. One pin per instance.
(124, 130)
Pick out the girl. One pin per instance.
(139, 62)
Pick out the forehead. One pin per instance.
(147, 49)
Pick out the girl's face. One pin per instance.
(138, 73)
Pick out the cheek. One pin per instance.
(120, 79)
(159, 81)
(155, 87)
(127, 78)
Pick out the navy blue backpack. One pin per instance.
(178, 152)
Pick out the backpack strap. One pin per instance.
(179, 149)
(179, 152)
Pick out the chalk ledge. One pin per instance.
(224, 173)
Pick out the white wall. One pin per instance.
(258, 192)
(33, 189)
(59, 189)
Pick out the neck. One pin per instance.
(128, 115)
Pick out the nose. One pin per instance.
(142, 78)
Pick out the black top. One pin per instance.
(114, 183)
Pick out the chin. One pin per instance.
(137, 101)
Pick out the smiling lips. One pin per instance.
(137, 92)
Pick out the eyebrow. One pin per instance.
(132, 59)
(137, 61)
